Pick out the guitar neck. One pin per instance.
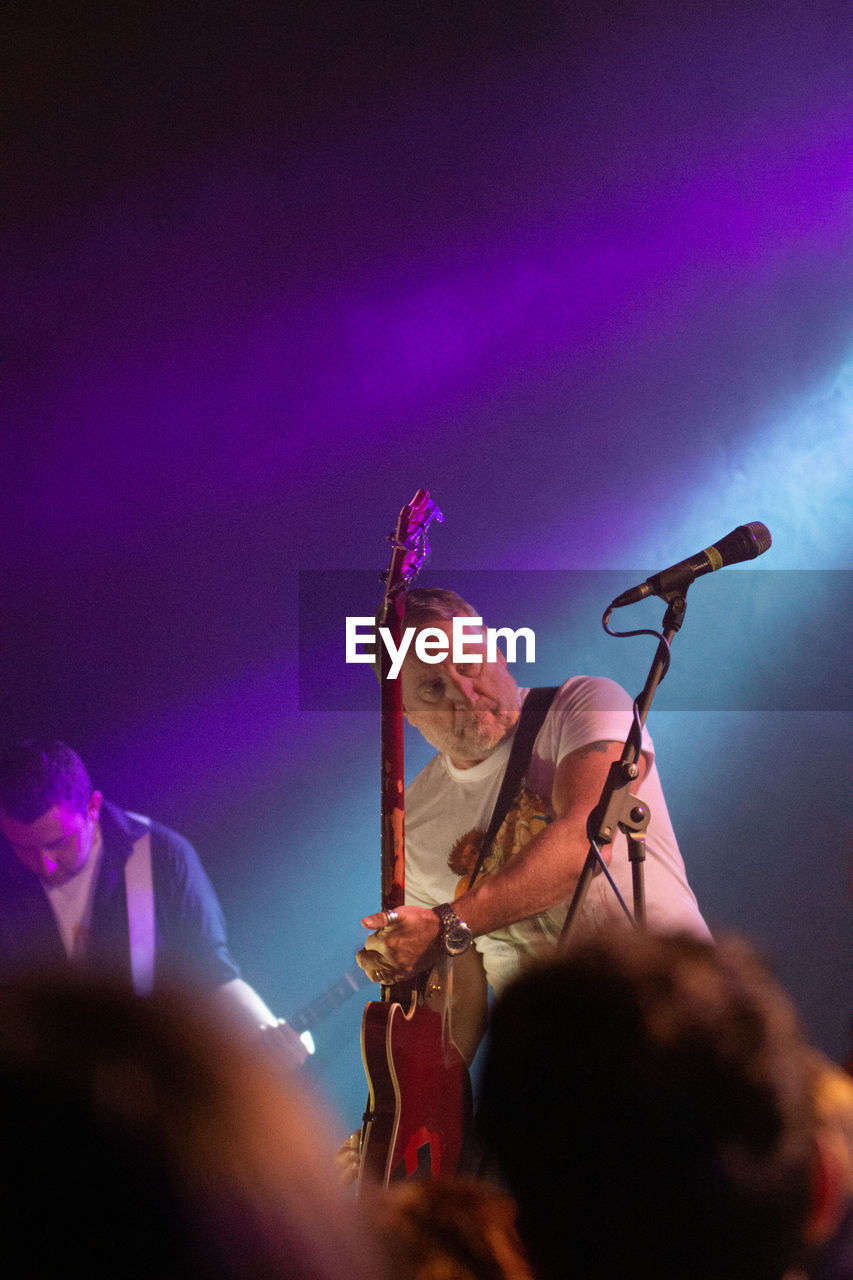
(392, 772)
(312, 1014)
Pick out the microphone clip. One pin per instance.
(618, 807)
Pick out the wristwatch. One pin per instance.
(455, 935)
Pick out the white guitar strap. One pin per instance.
(139, 887)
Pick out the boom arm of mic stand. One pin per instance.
(617, 807)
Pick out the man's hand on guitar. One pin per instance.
(402, 948)
(348, 1158)
(284, 1045)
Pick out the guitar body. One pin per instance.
(419, 1104)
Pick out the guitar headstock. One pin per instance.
(410, 542)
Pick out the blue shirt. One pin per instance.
(190, 927)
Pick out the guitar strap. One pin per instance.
(533, 713)
(139, 888)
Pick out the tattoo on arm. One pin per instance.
(601, 747)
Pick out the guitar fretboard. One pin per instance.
(329, 1000)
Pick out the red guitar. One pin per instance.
(420, 1096)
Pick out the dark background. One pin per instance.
(582, 270)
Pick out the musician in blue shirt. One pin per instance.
(88, 885)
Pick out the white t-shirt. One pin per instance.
(444, 803)
(72, 903)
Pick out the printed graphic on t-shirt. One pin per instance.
(526, 817)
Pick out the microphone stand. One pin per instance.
(617, 806)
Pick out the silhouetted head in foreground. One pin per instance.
(449, 1229)
(139, 1140)
(648, 1100)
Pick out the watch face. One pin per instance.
(455, 934)
(457, 939)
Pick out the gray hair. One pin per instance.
(425, 603)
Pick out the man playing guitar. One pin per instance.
(469, 712)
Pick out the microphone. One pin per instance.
(743, 543)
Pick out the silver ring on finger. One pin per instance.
(391, 917)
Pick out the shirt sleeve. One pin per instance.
(588, 709)
(190, 920)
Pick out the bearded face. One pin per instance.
(464, 710)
